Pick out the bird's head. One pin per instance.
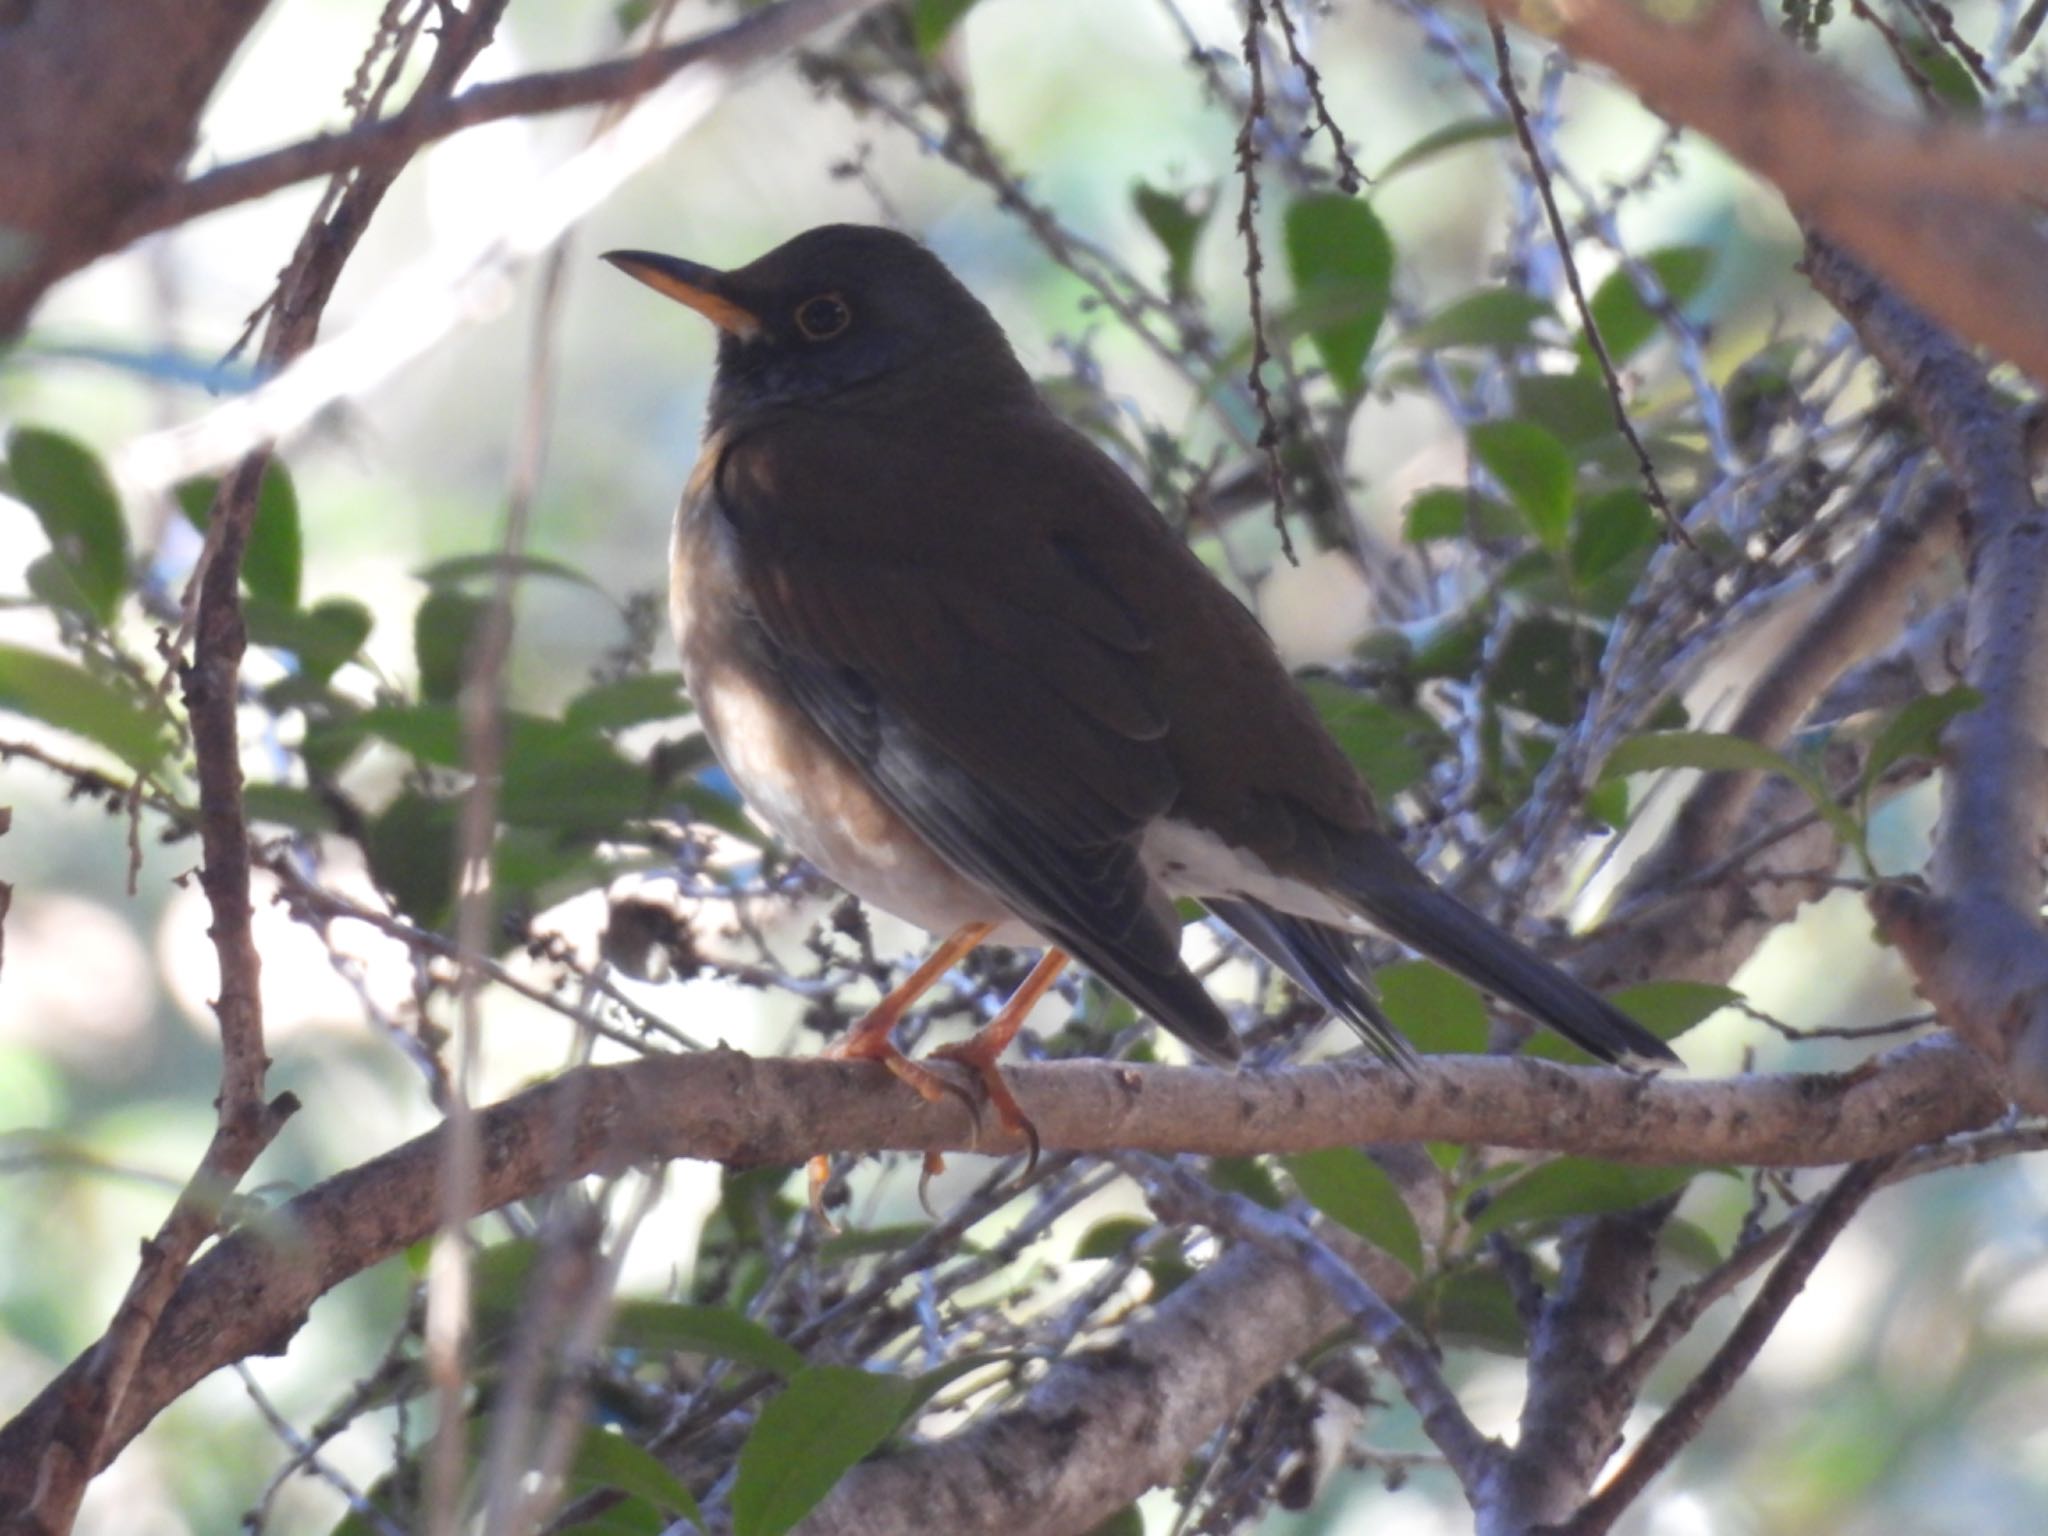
(839, 309)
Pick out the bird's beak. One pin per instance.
(689, 283)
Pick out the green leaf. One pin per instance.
(68, 698)
(460, 568)
(1608, 804)
(63, 482)
(1691, 1245)
(1249, 1177)
(288, 806)
(411, 849)
(628, 1517)
(1441, 1014)
(1571, 407)
(1504, 319)
(1625, 323)
(444, 634)
(554, 774)
(1717, 752)
(1355, 1192)
(1451, 512)
(1474, 1307)
(1111, 1237)
(1535, 471)
(718, 1332)
(1667, 1009)
(1470, 130)
(1342, 263)
(324, 637)
(1540, 666)
(274, 560)
(932, 20)
(1392, 748)
(1577, 1186)
(1608, 531)
(824, 1422)
(1915, 731)
(607, 1460)
(1176, 220)
(1125, 1522)
(628, 701)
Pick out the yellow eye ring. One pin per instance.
(823, 317)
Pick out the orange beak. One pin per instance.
(688, 282)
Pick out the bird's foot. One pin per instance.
(978, 1056)
(869, 1041)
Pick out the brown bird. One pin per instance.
(953, 655)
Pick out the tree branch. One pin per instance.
(1682, 1421)
(1937, 209)
(251, 1293)
(390, 141)
(1976, 946)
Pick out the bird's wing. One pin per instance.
(985, 685)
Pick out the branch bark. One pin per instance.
(251, 1293)
(1976, 945)
(1939, 210)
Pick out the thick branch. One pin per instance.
(102, 102)
(251, 1293)
(1935, 208)
(1977, 947)
(392, 140)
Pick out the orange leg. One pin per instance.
(980, 1053)
(869, 1039)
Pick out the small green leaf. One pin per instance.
(274, 560)
(1541, 664)
(1691, 1245)
(1111, 1237)
(1474, 1307)
(604, 1460)
(1441, 1014)
(1125, 1522)
(1249, 1177)
(288, 806)
(1718, 752)
(324, 637)
(63, 482)
(1451, 512)
(1535, 471)
(1392, 748)
(554, 774)
(1915, 731)
(411, 849)
(1571, 407)
(628, 701)
(1577, 1186)
(1625, 323)
(1470, 130)
(718, 1332)
(1504, 319)
(1342, 262)
(824, 1422)
(1608, 803)
(1667, 1009)
(931, 21)
(69, 698)
(1355, 1192)
(1176, 220)
(1608, 531)
(461, 568)
(444, 634)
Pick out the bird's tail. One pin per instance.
(1395, 898)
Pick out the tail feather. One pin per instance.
(1406, 907)
(1323, 962)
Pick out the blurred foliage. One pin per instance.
(1443, 434)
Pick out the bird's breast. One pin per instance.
(795, 780)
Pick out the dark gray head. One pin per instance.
(839, 310)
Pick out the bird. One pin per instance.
(948, 650)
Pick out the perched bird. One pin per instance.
(953, 655)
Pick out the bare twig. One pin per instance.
(1254, 264)
(1653, 489)
(1683, 1420)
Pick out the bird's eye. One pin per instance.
(824, 317)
